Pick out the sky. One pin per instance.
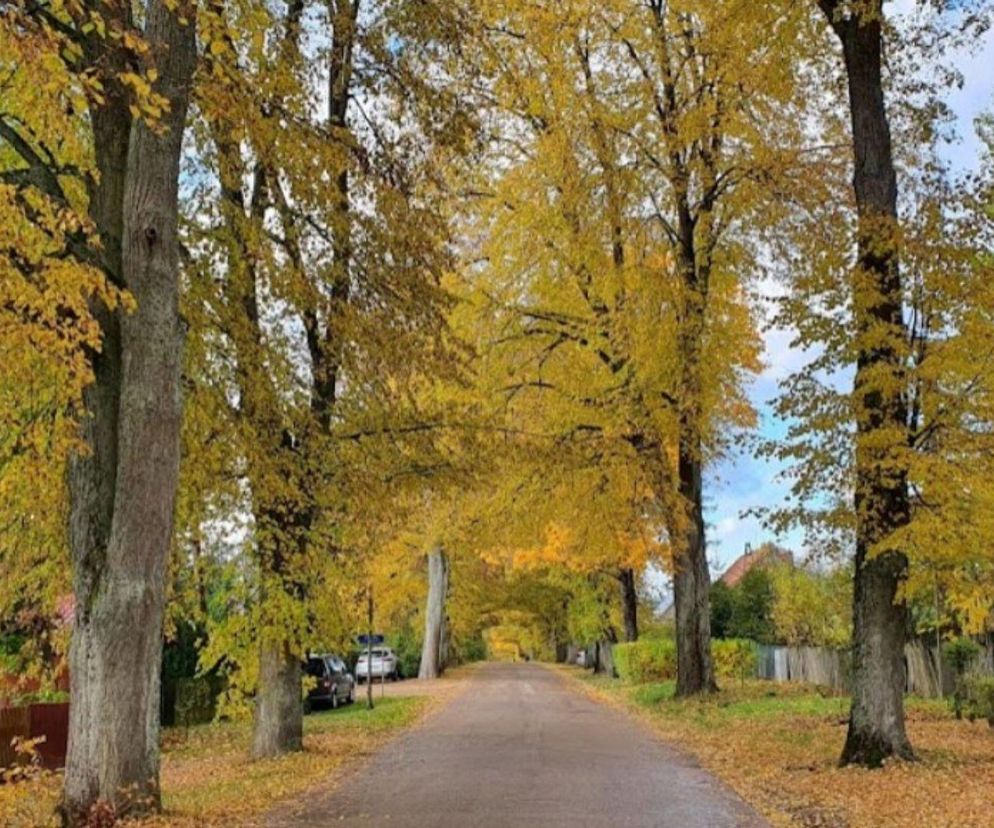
(743, 482)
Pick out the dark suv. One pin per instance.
(334, 685)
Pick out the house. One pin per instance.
(767, 554)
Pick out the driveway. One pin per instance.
(522, 747)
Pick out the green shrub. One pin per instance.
(639, 662)
(980, 698)
(471, 649)
(734, 658)
(644, 661)
(407, 648)
(196, 699)
(960, 653)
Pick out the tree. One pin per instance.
(133, 87)
(284, 514)
(318, 309)
(722, 607)
(706, 173)
(635, 223)
(50, 277)
(812, 608)
(433, 647)
(946, 243)
(570, 431)
(123, 493)
(876, 721)
(752, 615)
(877, 321)
(745, 610)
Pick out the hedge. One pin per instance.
(643, 661)
(734, 658)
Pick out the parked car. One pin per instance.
(334, 685)
(383, 666)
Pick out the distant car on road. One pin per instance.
(334, 685)
(384, 665)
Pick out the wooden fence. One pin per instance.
(47, 721)
(824, 666)
(830, 668)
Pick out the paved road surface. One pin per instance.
(521, 747)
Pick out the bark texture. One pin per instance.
(123, 492)
(629, 603)
(876, 721)
(692, 585)
(604, 657)
(433, 650)
(279, 723)
(691, 579)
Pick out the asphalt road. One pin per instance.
(522, 747)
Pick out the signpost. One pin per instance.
(369, 654)
(375, 639)
(369, 640)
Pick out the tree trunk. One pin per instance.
(691, 579)
(438, 585)
(604, 658)
(123, 493)
(876, 721)
(278, 726)
(629, 603)
(282, 518)
(443, 636)
(278, 720)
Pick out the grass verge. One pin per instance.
(208, 779)
(778, 745)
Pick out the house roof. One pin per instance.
(766, 555)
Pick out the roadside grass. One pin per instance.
(778, 745)
(208, 779)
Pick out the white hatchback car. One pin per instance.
(382, 666)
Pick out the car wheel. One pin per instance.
(334, 698)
